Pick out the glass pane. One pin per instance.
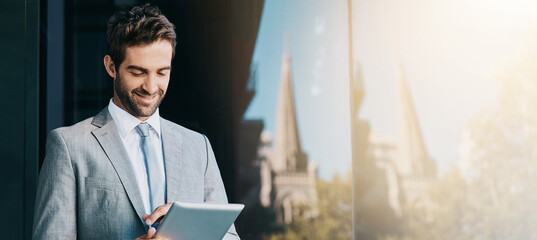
(301, 71)
(450, 92)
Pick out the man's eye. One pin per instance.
(136, 74)
(162, 73)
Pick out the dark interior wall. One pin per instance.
(19, 94)
(53, 81)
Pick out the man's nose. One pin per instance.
(150, 84)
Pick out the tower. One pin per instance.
(288, 155)
(288, 179)
(414, 166)
(413, 159)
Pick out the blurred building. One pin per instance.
(383, 150)
(392, 174)
(416, 169)
(287, 177)
(277, 182)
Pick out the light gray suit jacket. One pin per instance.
(87, 188)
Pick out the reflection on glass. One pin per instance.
(450, 91)
(304, 156)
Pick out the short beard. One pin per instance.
(137, 109)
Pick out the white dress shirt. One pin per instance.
(126, 124)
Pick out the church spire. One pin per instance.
(413, 158)
(288, 155)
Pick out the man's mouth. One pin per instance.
(145, 98)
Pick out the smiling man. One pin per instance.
(115, 175)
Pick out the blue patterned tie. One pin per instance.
(156, 186)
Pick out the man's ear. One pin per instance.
(110, 66)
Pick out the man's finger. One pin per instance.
(144, 217)
(151, 232)
(149, 235)
(158, 214)
(141, 237)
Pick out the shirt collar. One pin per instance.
(126, 123)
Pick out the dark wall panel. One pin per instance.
(19, 51)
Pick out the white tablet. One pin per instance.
(194, 221)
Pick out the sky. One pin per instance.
(452, 53)
(318, 45)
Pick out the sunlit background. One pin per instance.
(452, 53)
(453, 82)
(447, 118)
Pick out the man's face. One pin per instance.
(142, 78)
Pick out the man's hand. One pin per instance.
(156, 216)
(149, 235)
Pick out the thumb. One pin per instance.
(151, 232)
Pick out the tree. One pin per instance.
(494, 197)
(334, 219)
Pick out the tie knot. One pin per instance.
(143, 129)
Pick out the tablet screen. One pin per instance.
(187, 221)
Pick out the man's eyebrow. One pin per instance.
(137, 68)
(145, 70)
(165, 68)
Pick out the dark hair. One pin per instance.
(141, 25)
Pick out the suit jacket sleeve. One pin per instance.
(214, 190)
(55, 208)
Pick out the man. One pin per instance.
(110, 176)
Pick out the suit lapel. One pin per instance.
(110, 141)
(172, 144)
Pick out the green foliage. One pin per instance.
(334, 218)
